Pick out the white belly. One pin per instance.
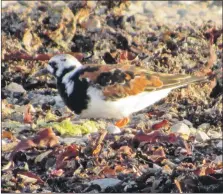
(99, 108)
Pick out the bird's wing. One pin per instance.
(116, 81)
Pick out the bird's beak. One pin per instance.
(41, 72)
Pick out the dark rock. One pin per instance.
(122, 42)
(82, 44)
(217, 90)
(171, 45)
(115, 22)
(109, 59)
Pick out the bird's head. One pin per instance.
(59, 64)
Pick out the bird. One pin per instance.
(111, 91)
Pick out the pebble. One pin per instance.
(92, 4)
(101, 10)
(77, 140)
(148, 7)
(167, 170)
(8, 3)
(214, 134)
(177, 160)
(93, 24)
(31, 109)
(41, 156)
(169, 163)
(113, 129)
(204, 126)
(135, 8)
(16, 126)
(181, 129)
(202, 136)
(14, 87)
(167, 116)
(140, 117)
(182, 12)
(193, 130)
(59, 103)
(5, 141)
(220, 144)
(185, 2)
(104, 183)
(218, 159)
(188, 123)
(141, 125)
(156, 166)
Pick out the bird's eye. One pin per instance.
(53, 64)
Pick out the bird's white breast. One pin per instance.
(123, 107)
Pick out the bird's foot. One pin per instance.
(122, 123)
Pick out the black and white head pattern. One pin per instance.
(63, 62)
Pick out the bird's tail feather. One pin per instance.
(177, 81)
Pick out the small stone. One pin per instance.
(4, 141)
(193, 130)
(219, 144)
(167, 170)
(8, 3)
(182, 12)
(92, 4)
(214, 134)
(218, 159)
(31, 109)
(139, 117)
(92, 24)
(188, 123)
(141, 125)
(183, 151)
(202, 136)
(156, 166)
(103, 183)
(128, 130)
(167, 116)
(148, 7)
(59, 102)
(77, 140)
(177, 160)
(204, 126)
(113, 129)
(135, 8)
(14, 87)
(181, 129)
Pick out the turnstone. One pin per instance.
(110, 91)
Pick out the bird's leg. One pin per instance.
(122, 123)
